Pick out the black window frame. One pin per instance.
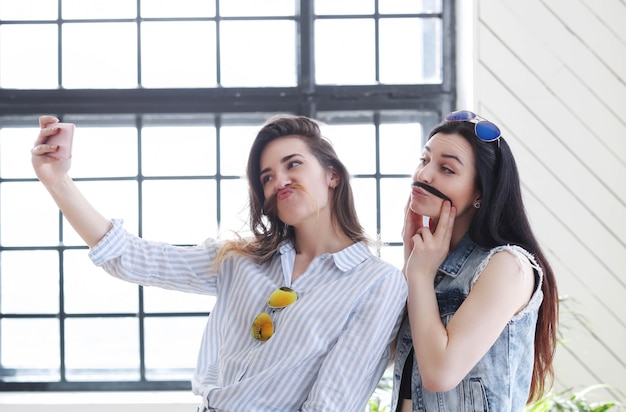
(307, 98)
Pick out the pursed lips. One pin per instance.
(423, 187)
(284, 193)
(419, 192)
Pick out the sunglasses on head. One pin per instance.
(263, 326)
(483, 129)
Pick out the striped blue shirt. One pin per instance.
(329, 349)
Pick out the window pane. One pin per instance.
(355, 145)
(235, 144)
(178, 8)
(234, 207)
(88, 289)
(172, 346)
(351, 63)
(400, 147)
(421, 57)
(344, 7)
(409, 6)
(29, 56)
(28, 10)
(31, 347)
(102, 349)
(99, 9)
(178, 151)
(104, 152)
(365, 193)
(180, 211)
(99, 55)
(394, 193)
(178, 54)
(19, 271)
(245, 59)
(257, 8)
(393, 255)
(29, 215)
(15, 145)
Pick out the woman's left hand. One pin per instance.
(430, 245)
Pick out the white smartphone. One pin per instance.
(64, 139)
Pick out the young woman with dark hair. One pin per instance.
(480, 331)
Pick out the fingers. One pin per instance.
(44, 121)
(430, 245)
(48, 128)
(446, 222)
(42, 149)
(422, 235)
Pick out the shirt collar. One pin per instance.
(345, 259)
(456, 259)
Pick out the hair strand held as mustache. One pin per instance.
(431, 190)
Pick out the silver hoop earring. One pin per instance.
(477, 205)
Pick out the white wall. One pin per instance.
(552, 73)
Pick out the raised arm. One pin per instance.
(53, 173)
(446, 353)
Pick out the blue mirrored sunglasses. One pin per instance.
(483, 129)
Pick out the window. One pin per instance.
(167, 97)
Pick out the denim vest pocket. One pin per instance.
(476, 401)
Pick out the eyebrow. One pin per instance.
(283, 160)
(447, 156)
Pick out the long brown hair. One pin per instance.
(268, 231)
(502, 220)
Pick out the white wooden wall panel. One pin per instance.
(612, 14)
(552, 74)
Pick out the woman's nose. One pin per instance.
(282, 180)
(424, 174)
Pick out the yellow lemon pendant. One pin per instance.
(262, 327)
(282, 297)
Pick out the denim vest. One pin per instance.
(501, 379)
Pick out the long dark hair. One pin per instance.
(501, 220)
(267, 229)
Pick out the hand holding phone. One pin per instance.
(63, 139)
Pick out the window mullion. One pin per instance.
(306, 66)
